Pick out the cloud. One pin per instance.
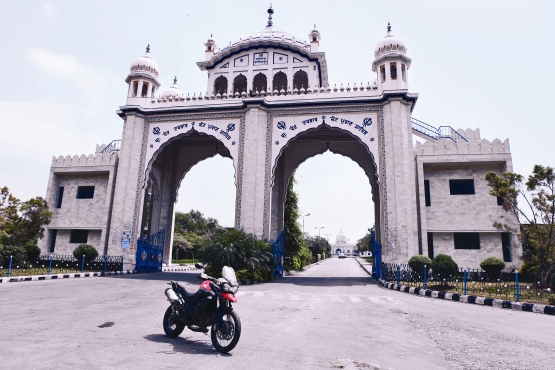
(89, 80)
(49, 11)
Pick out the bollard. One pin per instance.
(425, 277)
(10, 267)
(121, 263)
(83, 264)
(398, 274)
(105, 258)
(464, 283)
(517, 287)
(50, 265)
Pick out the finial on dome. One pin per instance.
(175, 80)
(388, 27)
(270, 12)
(148, 48)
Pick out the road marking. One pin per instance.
(295, 297)
(258, 294)
(354, 299)
(277, 296)
(335, 298)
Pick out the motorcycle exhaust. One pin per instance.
(172, 297)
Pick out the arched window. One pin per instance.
(393, 70)
(144, 91)
(260, 83)
(240, 84)
(220, 85)
(382, 72)
(300, 79)
(280, 81)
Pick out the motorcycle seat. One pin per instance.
(186, 290)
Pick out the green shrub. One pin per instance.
(444, 265)
(88, 250)
(19, 254)
(32, 251)
(492, 266)
(417, 263)
(529, 271)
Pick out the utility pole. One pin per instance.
(303, 216)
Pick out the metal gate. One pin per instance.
(278, 249)
(376, 257)
(150, 252)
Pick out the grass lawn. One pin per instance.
(369, 259)
(189, 262)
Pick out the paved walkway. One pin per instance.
(330, 316)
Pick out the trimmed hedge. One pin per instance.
(444, 265)
(492, 266)
(417, 263)
(88, 250)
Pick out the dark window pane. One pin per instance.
(431, 245)
(393, 71)
(461, 187)
(53, 234)
(506, 245)
(500, 201)
(427, 193)
(467, 240)
(60, 197)
(85, 192)
(79, 236)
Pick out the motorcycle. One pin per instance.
(209, 306)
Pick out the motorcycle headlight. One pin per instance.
(226, 287)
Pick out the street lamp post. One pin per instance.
(319, 228)
(303, 216)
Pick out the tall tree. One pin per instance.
(297, 255)
(535, 216)
(318, 245)
(363, 244)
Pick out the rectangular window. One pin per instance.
(382, 72)
(431, 245)
(135, 87)
(403, 72)
(79, 236)
(461, 187)
(53, 234)
(85, 192)
(60, 197)
(506, 245)
(467, 240)
(427, 193)
(500, 201)
(152, 92)
(144, 91)
(393, 70)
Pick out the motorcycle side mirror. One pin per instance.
(203, 276)
(199, 266)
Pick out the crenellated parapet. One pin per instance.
(474, 145)
(100, 158)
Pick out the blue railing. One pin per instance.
(150, 252)
(376, 256)
(114, 146)
(278, 250)
(443, 132)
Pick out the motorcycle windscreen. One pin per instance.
(229, 274)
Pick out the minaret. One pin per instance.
(142, 79)
(210, 48)
(391, 63)
(314, 36)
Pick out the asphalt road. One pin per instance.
(330, 316)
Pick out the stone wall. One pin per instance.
(63, 246)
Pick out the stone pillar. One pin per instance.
(129, 194)
(254, 199)
(400, 235)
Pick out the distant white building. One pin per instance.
(343, 245)
(269, 105)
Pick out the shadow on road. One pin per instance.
(325, 281)
(185, 345)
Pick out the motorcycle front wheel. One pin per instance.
(225, 336)
(172, 328)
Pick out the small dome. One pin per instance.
(390, 43)
(145, 64)
(173, 91)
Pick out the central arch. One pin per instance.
(309, 144)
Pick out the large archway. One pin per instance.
(165, 173)
(309, 144)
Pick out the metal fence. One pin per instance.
(477, 282)
(59, 264)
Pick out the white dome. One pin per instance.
(390, 43)
(145, 64)
(172, 91)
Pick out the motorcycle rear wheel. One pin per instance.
(172, 328)
(225, 338)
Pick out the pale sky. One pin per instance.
(474, 64)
